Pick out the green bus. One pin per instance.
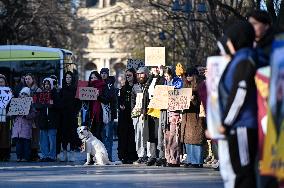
(17, 60)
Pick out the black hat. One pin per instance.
(104, 70)
(241, 33)
(191, 72)
(261, 16)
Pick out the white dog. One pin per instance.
(94, 147)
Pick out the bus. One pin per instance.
(17, 60)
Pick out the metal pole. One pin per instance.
(188, 41)
(174, 46)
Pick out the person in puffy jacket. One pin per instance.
(22, 131)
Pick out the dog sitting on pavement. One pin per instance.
(94, 147)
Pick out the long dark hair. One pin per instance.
(64, 84)
(96, 73)
(133, 71)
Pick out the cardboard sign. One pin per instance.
(215, 67)
(135, 63)
(42, 98)
(179, 99)
(155, 56)
(160, 98)
(81, 83)
(88, 93)
(273, 151)
(5, 96)
(20, 106)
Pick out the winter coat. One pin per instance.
(22, 127)
(193, 126)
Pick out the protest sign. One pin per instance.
(20, 106)
(88, 93)
(42, 98)
(80, 84)
(179, 99)
(5, 96)
(215, 67)
(135, 63)
(155, 56)
(273, 152)
(160, 98)
(262, 84)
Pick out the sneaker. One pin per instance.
(187, 165)
(19, 160)
(141, 160)
(161, 162)
(197, 165)
(173, 165)
(151, 161)
(24, 160)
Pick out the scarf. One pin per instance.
(95, 106)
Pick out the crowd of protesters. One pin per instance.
(146, 135)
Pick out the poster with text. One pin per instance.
(80, 84)
(5, 96)
(155, 56)
(179, 99)
(88, 93)
(215, 67)
(20, 106)
(160, 98)
(273, 151)
(135, 63)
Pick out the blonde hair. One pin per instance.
(179, 70)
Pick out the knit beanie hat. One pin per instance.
(242, 34)
(26, 90)
(144, 70)
(50, 80)
(104, 70)
(179, 70)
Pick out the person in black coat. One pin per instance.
(70, 108)
(126, 135)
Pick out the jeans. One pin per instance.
(48, 143)
(194, 153)
(108, 138)
(23, 148)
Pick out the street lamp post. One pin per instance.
(176, 8)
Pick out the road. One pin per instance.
(53, 175)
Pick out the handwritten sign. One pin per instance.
(155, 56)
(20, 106)
(42, 98)
(5, 96)
(80, 84)
(88, 93)
(135, 63)
(179, 99)
(160, 98)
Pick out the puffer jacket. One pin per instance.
(22, 127)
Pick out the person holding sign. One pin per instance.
(171, 122)
(141, 96)
(30, 82)
(193, 126)
(22, 130)
(4, 127)
(48, 124)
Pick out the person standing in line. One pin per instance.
(22, 130)
(48, 124)
(126, 135)
(238, 104)
(139, 114)
(172, 123)
(30, 82)
(4, 128)
(193, 126)
(153, 121)
(71, 107)
(109, 107)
